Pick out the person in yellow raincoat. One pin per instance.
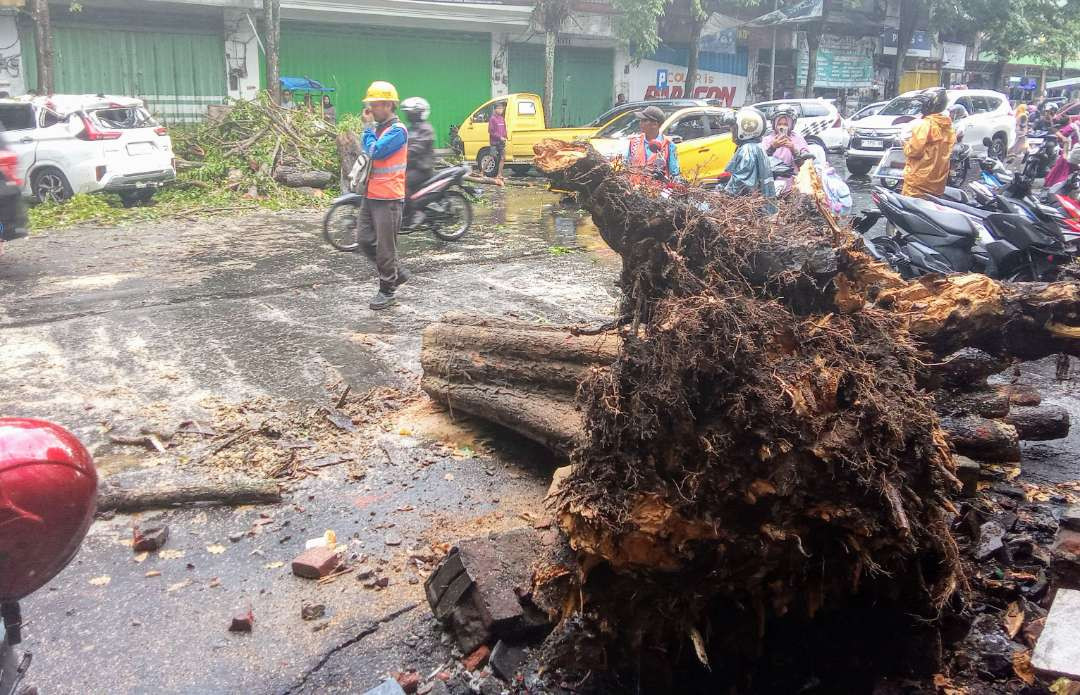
(927, 151)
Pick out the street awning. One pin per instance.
(303, 84)
(1058, 84)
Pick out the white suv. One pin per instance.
(989, 116)
(68, 144)
(819, 121)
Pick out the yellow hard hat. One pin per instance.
(381, 91)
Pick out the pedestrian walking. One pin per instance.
(385, 140)
(497, 136)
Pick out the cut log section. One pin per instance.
(983, 439)
(984, 402)
(1040, 423)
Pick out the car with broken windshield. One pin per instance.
(69, 144)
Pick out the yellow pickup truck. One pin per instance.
(525, 126)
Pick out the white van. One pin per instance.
(86, 143)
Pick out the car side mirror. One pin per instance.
(676, 139)
(987, 142)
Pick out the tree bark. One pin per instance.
(696, 25)
(296, 178)
(272, 18)
(983, 439)
(348, 149)
(984, 402)
(550, 36)
(909, 16)
(173, 494)
(43, 47)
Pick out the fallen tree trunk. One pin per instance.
(1040, 423)
(297, 178)
(112, 497)
(762, 415)
(982, 439)
(983, 402)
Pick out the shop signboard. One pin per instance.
(843, 62)
(653, 79)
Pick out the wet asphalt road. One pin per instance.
(152, 325)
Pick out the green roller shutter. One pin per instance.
(451, 70)
(583, 80)
(177, 73)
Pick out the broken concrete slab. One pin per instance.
(1057, 652)
(476, 588)
(505, 660)
(991, 535)
(1065, 559)
(1070, 519)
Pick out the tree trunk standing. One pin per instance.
(813, 40)
(999, 72)
(43, 45)
(272, 17)
(696, 25)
(904, 33)
(550, 34)
(1061, 68)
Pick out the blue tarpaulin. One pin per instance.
(303, 84)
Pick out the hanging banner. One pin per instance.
(653, 79)
(720, 42)
(805, 11)
(842, 62)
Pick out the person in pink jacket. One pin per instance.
(497, 136)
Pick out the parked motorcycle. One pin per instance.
(48, 490)
(924, 236)
(442, 201)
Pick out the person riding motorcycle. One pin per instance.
(749, 166)
(784, 142)
(927, 148)
(421, 163)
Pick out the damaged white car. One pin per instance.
(85, 143)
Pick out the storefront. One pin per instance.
(721, 76)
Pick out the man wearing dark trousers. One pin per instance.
(385, 140)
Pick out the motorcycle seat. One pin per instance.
(440, 175)
(951, 221)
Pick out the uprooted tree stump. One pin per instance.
(759, 483)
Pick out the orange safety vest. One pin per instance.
(387, 179)
(641, 157)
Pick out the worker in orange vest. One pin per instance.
(649, 154)
(386, 141)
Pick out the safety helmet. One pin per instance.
(749, 124)
(1074, 157)
(416, 109)
(381, 91)
(957, 112)
(788, 110)
(932, 100)
(1050, 107)
(48, 491)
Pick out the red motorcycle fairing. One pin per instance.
(48, 489)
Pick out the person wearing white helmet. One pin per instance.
(749, 166)
(421, 151)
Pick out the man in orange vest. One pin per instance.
(648, 153)
(386, 141)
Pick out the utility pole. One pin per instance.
(772, 58)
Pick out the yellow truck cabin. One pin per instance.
(525, 126)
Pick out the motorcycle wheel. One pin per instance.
(341, 226)
(452, 224)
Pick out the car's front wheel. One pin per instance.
(50, 184)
